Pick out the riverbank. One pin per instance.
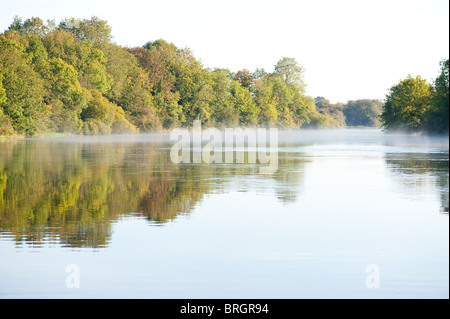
(168, 131)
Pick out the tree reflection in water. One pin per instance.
(416, 170)
(70, 193)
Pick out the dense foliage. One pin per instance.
(71, 78)
(415, 105)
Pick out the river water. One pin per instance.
(347, 214)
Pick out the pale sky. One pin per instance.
(350, 49)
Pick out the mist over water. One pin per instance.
(306, 136)
(138, 225)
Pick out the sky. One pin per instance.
(350, 49)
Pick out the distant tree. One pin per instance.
(16, 25)
(320, 121)
(406, 104)
(321, 102)
(245, 78)
(363, 112)
(260, 73)
(291, 72)
(33, 26)
(94, 30)
(334, 111)
(230, 75)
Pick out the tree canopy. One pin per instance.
(70, 77)
(437, 116)
(363, 113)
(406, 104)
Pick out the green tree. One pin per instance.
(16, 25)
(2, 91)
(70, 78)
(6, 127)
(406, 104)
(222, 104)
(36, 49)
(363, 112)
(130, 87)
(94, 30)
(159, 60)
(103, 117)
(301, 107)
(23, 88)
(33, 26)
(86, 59)
(320, 121)
(181, 87)
(64, 95)
(437, 116)
(291, 73)
(193, 84)
(283, 96)
(93, 74)
(244, 104)
(265, 102)
(321, 114)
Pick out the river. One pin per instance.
(349, 213)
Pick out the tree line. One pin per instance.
(71, 78)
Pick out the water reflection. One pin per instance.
(69, 192)
(422, 174)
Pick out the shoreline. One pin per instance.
(168, 131)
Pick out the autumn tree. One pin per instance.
(70, 77)
(130, 87)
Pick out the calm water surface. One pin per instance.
(345, 209)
